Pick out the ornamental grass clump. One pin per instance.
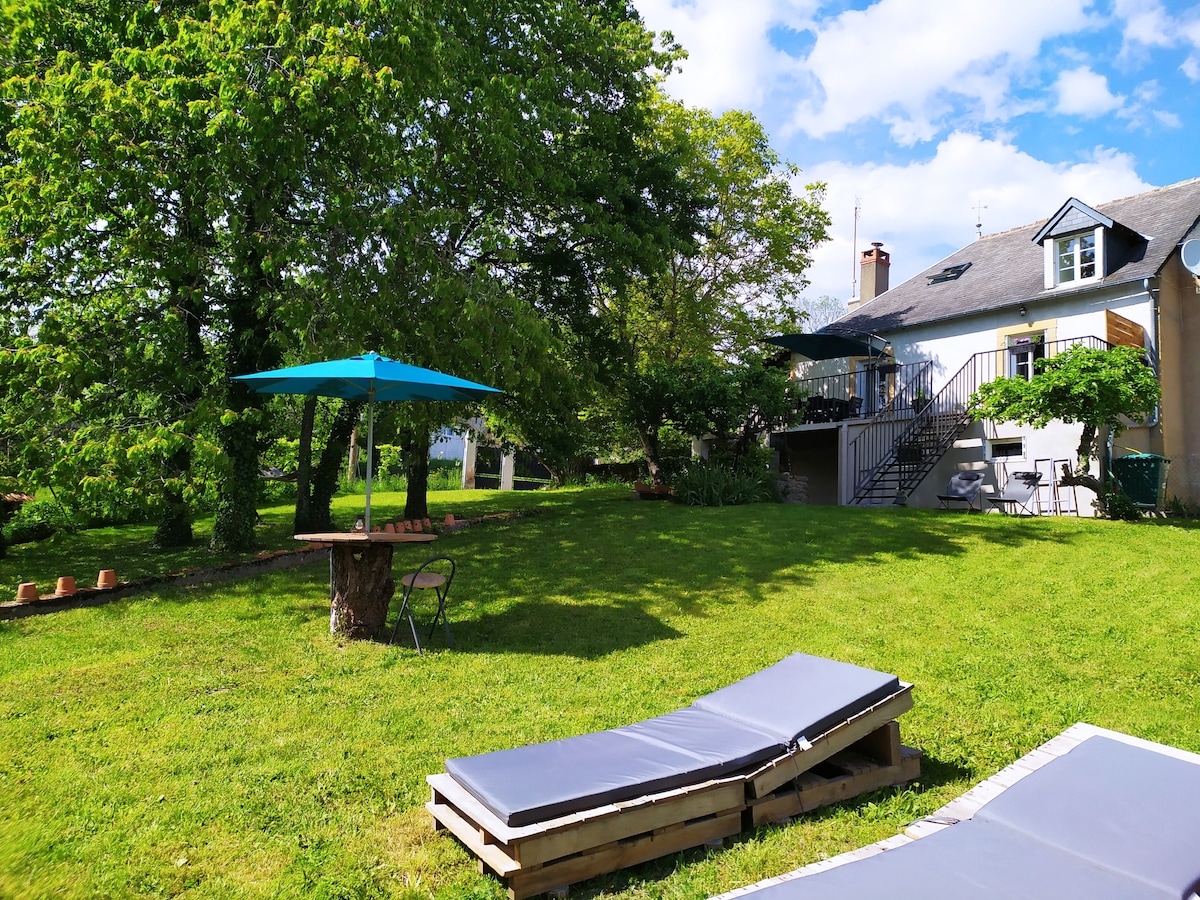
(707, 482)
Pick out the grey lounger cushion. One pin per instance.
(1124, 808)
(728, 731)
(964, 863)
(1106, 820)
(544, 781)
(801, 697)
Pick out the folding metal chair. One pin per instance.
(963, 488)
(1018, 492)
(425, 580)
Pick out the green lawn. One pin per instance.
(217, 742)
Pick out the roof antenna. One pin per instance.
(854, 250)
(978, 215)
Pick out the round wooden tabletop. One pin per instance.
(374, 537)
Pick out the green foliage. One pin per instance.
(723, 481)
(190, 192)
(36, 520)
(1115, 504)
(735, 404)
(700, 313)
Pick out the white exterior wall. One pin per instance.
(1081, 314)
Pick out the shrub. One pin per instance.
(722, 483)
(36, 520)
(1117, 505)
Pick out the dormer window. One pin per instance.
(1081, 245)
(1076, 258)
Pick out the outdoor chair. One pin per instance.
(1020, 493)
(963, 488)
(437, 580)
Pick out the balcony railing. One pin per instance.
(864, 394)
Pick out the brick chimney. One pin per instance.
(873, 278)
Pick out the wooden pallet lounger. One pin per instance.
(797, 735)
(1091, 813)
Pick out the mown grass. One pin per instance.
(217, 742)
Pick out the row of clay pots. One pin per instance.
(66, 585)
(414, 525)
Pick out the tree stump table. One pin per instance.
(360, 578)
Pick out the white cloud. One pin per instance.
(731, 61)
(1146, 23)
(907, 61)
(1082, 92)
(925, 210)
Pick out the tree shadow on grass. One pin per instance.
(547, 628)
(694, 558)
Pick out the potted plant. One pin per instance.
(921, 400)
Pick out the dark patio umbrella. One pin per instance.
(367, 377)
(825, 345)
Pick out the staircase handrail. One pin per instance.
(879, 443)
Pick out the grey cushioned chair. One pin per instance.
(1020, 493)
(963, 488)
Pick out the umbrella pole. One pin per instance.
(370, 450)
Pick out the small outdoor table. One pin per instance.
(360, 577)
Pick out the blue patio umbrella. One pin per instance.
(367, 377)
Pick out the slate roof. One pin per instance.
(1007, 268)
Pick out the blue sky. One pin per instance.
(934, 115)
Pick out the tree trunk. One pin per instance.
(188, 293)
(650, 451)
(416, 452)
(324, 478)
(247, 350)
(302, 519)
(175, 522)
(352, 462)
(362, 588)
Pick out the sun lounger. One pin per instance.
(1090, 814)
(1019, 492)
(963, 488)
(547, 815)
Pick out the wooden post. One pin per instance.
(362, 588)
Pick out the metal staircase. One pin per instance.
(894, 453)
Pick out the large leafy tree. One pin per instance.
(237, 184)
(738, 281)
(1100, 389)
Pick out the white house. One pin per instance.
(890, 380)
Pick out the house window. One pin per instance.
(1076, 258)
(1022, 352)
(1002, 449)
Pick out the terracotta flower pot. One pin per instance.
(106, 579)
(417, 526)
(389, 528)
(449, 520)
(66, 586)
(27, 590)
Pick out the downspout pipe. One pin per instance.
(1152, 293)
